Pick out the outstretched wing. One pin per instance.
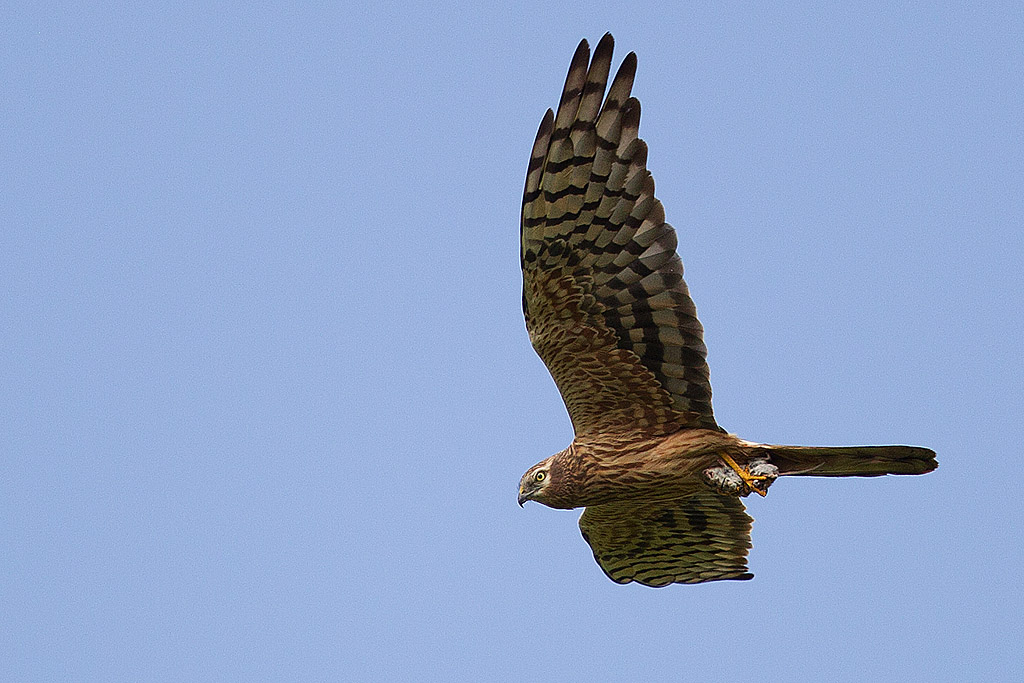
(704, 537)
(603, 292)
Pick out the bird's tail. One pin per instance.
(850, 461)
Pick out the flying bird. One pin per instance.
(609, 313)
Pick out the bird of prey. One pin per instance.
(608, 312)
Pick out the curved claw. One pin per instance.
(758, 483)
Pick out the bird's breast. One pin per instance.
(664, 467)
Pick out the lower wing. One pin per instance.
(703, 537)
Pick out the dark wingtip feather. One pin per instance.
(628, 66)
(546, 123)
(537, 156)
(631, 118)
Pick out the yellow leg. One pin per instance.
(748, 478)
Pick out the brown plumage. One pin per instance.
(610, 315)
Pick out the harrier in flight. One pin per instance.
(611, 317)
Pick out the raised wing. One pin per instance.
(704, 537)
(603, 292)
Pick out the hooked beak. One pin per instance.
(523, 497)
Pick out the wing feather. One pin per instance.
(605, 301)
(703, 537)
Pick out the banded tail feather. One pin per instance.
(851, 461)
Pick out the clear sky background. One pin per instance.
(266, 392)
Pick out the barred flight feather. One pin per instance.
(704, 537)
(600, 271)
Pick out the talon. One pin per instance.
(751, 480)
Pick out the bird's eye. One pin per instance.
(539, 476)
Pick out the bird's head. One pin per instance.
(536, 484)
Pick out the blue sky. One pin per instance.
(267, 393)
